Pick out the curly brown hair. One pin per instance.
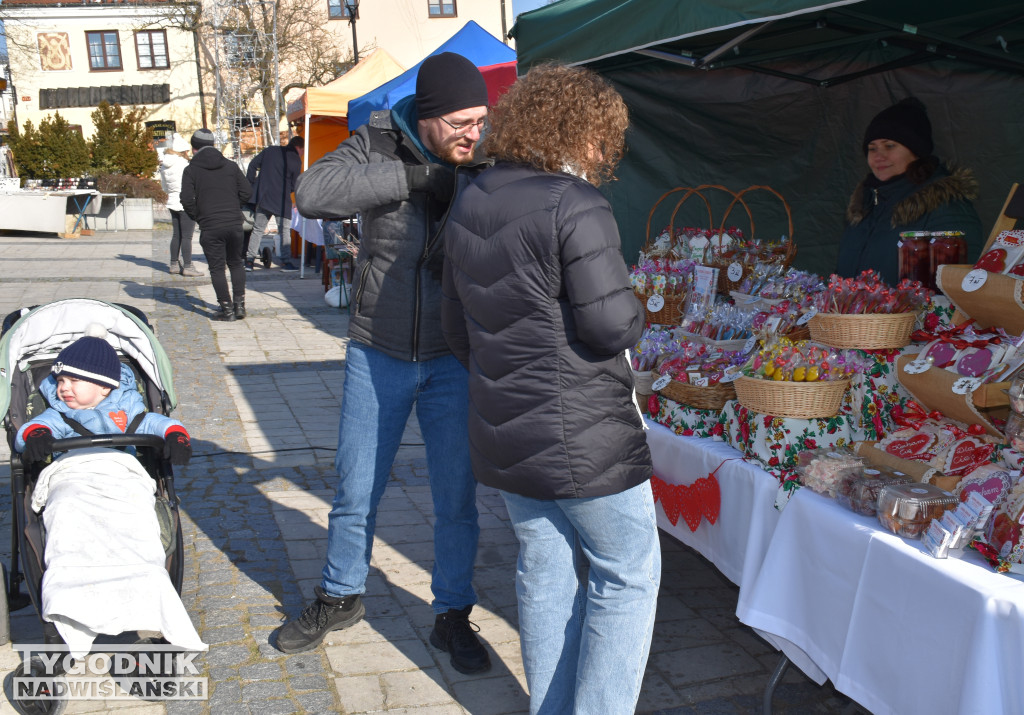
(558, 118)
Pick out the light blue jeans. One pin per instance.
(585, 638)
(378, 398)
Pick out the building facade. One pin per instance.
(69, 58)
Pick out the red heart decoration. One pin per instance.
(909, 448)
(991, 489)
(690, 506)
(670, 503)
(120, 419)
(711, 498)
(967, 456)
(657, 485)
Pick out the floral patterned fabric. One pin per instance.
(869, 401)
(683, 419)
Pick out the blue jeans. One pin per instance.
(585, 638)
(378, 398)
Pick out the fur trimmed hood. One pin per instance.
(959, 185)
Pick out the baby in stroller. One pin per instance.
(90, 392)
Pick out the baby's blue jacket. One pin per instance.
(125, 398)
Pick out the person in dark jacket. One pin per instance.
(213, 190)
(272, 174)
(908, 189)
(399, 173)
(538, 306)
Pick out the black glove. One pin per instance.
(177, 446)
(38, 444)
(434, 179)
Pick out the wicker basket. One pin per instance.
(802, 400)
(881, 331)
(703, 398)
(670, 314)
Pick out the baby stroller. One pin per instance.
(30, 340)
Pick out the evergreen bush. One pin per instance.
(54, 151)
(122, 143)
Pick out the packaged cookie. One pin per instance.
(907, 509)
(822, 469)
(858, 489)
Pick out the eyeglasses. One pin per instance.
(462, 130)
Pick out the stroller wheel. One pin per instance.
(144, 681)
(50, 701)
(265, 257)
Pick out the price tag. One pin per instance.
(966, 385)
(916, 367)
(974, 280)
(750, 344)
(655, 303)
(694, 376)
(806, 317)
(701, 382)
(731, 374)
(735, 271)
(661, 382)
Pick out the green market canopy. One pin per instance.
(778, 92)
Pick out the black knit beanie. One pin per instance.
(201, 138)
(447, 83)
(91, 359)
(905, 122)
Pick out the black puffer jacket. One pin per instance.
(213, 190)
(537, 304)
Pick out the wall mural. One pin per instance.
(54, 50)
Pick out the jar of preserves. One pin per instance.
(914, 254)
(946, 247)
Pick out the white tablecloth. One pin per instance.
(892, 627)
(47, 211)
(736, 543)
(311, 229)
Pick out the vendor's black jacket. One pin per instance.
(213, 190)
(537, 304)
(880, 210)
(272, 174)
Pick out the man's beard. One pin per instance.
(450, 156)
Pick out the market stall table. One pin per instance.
(60, 212)
(892, 627)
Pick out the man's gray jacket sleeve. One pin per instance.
(349, 180)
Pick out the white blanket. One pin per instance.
(104, 561)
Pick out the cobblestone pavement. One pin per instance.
(261, 399)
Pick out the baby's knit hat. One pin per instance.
(90, 358)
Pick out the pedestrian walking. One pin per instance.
(272, 174)
(173, 161)
(399, 172)
(213, 190)
(538, 306)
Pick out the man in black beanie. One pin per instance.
(399, 173)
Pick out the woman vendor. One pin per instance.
(908, 189)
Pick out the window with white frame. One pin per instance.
(441, 8)
(151, 49)
(104, 50)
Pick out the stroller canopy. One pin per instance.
(41, 333)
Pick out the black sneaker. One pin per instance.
(454, 634)
(319, 618)
(289, 267)
(250, 264)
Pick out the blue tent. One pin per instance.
(472, 42)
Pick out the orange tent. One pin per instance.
(323, 111)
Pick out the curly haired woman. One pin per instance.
(538, 306)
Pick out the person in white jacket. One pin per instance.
(172, 165)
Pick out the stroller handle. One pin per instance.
(108, 440)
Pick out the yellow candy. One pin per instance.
(799, 374)
(779, 375)
(812, 374)
(769, 368)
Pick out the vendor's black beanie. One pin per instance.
(447, 83)
(905, 122)
(201, 138)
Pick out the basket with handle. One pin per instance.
(727, 283)
(712, 397)
(671, 311)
